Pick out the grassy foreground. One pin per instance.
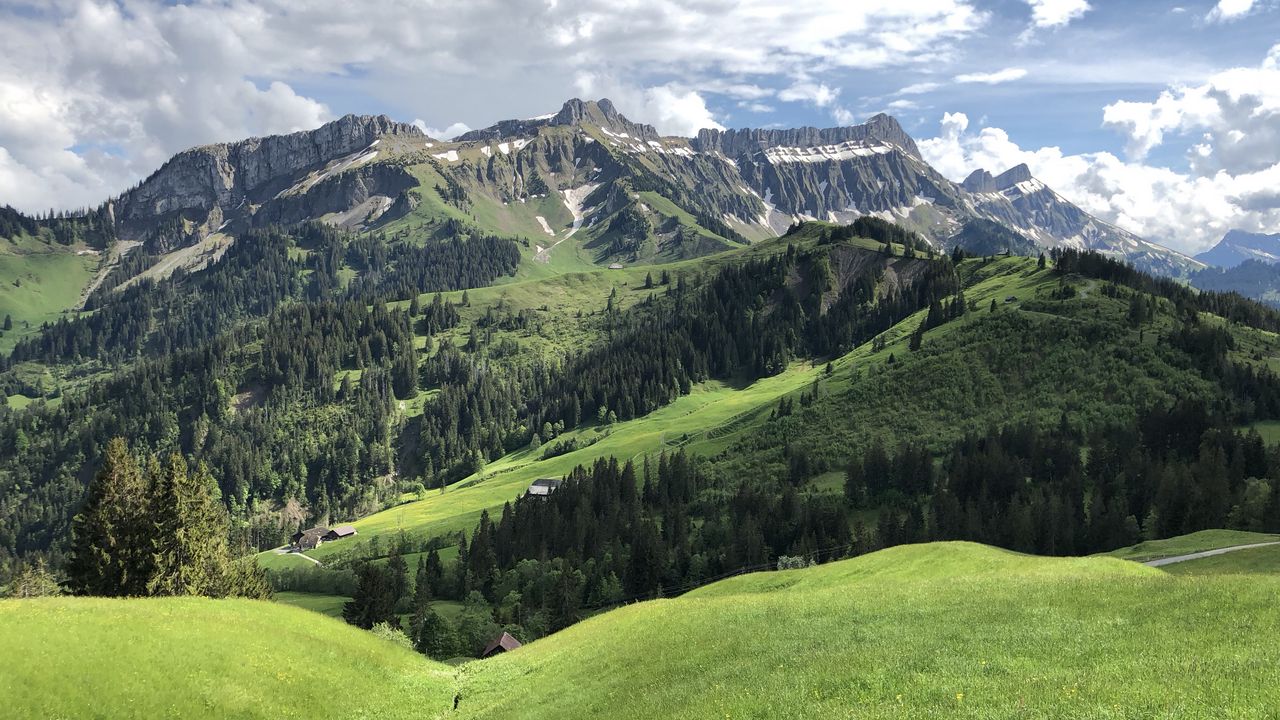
(190, 657)
(952, 630)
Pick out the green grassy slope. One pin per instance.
(92, 657)
(49, 279)
(950, 630)
(705, 422)
(1262, 560)
(1192, 543)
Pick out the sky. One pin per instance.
(1160, 117)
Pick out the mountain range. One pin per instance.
(629, 193)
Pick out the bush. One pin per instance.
(389, 632)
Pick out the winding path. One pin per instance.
(1204, 554)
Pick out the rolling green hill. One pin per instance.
(986, 369)
(937, 630)
(1250, 561)
(1190, 543)
(189, 657)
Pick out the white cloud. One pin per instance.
(817, 93)
(919, 88)
(1056, 13)
(1236, 113)
(671, 108)
(97, 93)
(448, 133)
(1227, 10)
(993, 78)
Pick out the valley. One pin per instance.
(779, 389)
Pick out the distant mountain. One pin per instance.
(1252, 278)
(1238, 246)
(628, 193)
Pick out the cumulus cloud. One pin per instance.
(1182, 210)
(817, 93)
(1236, 115)
(97, 93)
(1227, 10)
(1056, 13)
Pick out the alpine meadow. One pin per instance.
(777, 388)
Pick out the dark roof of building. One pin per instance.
(505, 642)
(312, 532)
(343, 531)
(544, 486)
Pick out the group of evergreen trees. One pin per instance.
(148, 529)
(1052, 492)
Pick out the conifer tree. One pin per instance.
(109, 551)
(435, 637)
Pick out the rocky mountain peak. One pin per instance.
(981, 181)
(603, 114)
(1239, 246)
(1013, 176)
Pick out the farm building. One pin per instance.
(502, 644)
(544, 487)
(308, 539)
(339, 533)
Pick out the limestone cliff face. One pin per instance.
(735, 143)
(229, 181)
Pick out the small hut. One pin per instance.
(504, 643)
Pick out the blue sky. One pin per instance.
(1161, 117)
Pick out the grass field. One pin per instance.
(944, 630)
(330, 605)
(37, 282)
(1262, 560)
(190, 657)
(948, 630)
(1192, 543)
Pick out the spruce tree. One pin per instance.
(110, 554)
(189, 538)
